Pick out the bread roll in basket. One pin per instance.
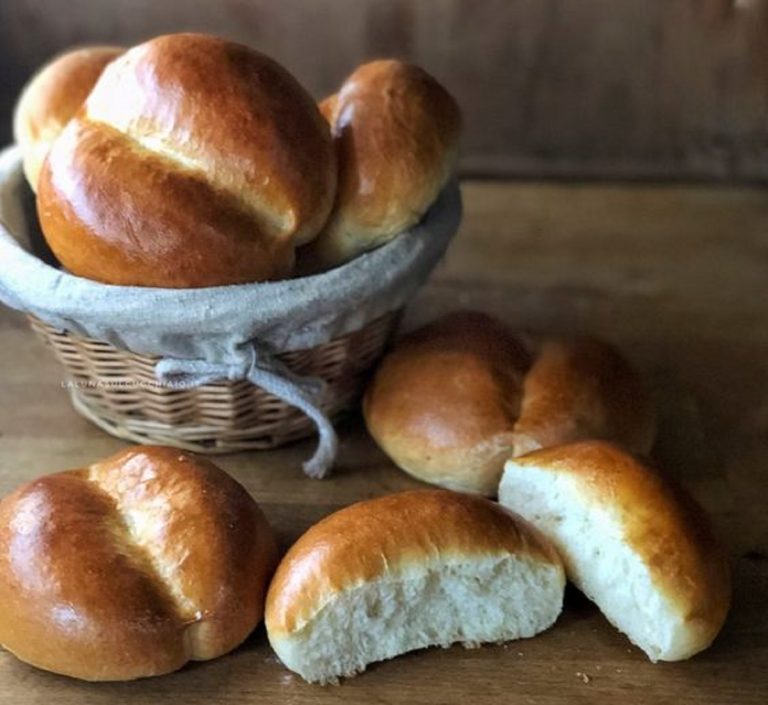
(203, 362)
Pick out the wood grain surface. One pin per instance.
(637, 88)
(676, 277)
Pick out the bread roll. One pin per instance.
(194, 162)
(582, 388)
(634, 544)
(456, 398)
(444, 401)
(396, 131)
(51, 99)
(404, 572)
(131, 567)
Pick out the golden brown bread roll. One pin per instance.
(194, 162)
(131, 567)
(443, 402)
(635, 544)
(454, 400)
(51, 99)
(582, 388)
(396, 131)
(408, 571)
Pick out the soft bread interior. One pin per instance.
(489, 599)
(598, 560)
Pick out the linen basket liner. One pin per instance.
(225, 332)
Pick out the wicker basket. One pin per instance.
(224, 332)
(117, 390)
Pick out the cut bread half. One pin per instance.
(635, 544)
(405, 572)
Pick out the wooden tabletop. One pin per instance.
(676, 276)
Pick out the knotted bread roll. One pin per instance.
(51, 99)
(455, 399)
(131, 567)
(408, 571)
(396, 131)
(194, 162)
(635, 544)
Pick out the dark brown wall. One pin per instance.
(670, 88)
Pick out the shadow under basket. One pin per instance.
(117, 390)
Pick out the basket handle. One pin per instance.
(263, 369)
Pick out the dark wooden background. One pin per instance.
(575, 88)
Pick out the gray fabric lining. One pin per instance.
(226, 332)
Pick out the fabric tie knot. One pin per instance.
(260, 367)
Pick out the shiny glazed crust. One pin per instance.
(194, 162)
(454, 400)
(657, 521)
(131, 567)
(443, 403)
(396, 131)
(582, 388)
(51, 99)
(387, 537)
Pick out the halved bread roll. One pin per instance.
(408, 571)
(636, 545)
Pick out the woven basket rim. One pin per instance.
(108, 386)
(215, 301)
